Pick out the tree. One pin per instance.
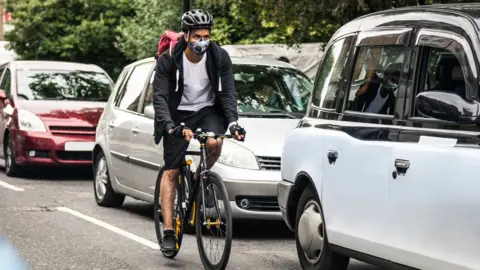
(75, 30)
(139, 35)
(292, 21)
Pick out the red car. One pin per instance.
(49, 112)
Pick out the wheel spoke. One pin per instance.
(103, 179)
(104, 189)
(317, 245)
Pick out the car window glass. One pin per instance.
(327, 93)
(375, 79)
(149, 94)
(6, 82)
(134, 87)
(120, 86)
(443, 73)
(50, 84)
(270, 89)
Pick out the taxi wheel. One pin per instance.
(104, 193)
(12, 169)
(313, 248)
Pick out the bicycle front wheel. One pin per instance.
(177, 215)
(213, 221)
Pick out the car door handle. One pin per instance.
(135, 130)
(111, 124)
(332, 156)
(402, 166)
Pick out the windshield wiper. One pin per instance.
(267, 114)
(283, 113)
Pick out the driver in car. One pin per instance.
(379, 98)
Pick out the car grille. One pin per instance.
(259, 203)
(269, 163)
(74, 155)
(69, 130)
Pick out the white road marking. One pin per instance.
(112, 228)
(12, 187)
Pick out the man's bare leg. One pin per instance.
(214, 150)
(167, 196)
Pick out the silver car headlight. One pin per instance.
(30, 122)
(237, 156)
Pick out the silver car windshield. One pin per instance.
(264, 89)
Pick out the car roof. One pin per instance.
(406, 15)
(471, 9)
(260, 62)
(236, 61)
(56, 65)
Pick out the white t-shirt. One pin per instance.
(377, 103)
(197, 89)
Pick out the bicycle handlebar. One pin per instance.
(200, 134)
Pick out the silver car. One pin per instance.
(272, 97)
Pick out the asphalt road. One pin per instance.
(52, 219)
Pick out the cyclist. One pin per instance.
(202, 96)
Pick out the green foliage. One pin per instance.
(139, 35)
(292, 21)
(112, 33)
(75, 30)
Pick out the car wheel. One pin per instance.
(12, 169)
(313, 249)
(104, 193)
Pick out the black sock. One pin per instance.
(168, 232)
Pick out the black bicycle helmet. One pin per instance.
(196, 19)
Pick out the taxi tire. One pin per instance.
(111, 198)
(13, 169)
(329, 260)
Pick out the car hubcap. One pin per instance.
(101, 178)
(311, 232)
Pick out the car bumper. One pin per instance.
(44, 148)
(283, 193)
(252, 193)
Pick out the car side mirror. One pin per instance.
(448, 107)
(149, 112)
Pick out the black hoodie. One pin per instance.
(167, 97)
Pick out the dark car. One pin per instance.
(50, 112)
(384, 168)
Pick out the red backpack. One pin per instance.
(167, 41)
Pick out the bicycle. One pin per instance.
(192, 208)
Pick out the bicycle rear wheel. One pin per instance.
(177, 215)
(213, 216)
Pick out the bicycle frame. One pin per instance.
(198, 184)
(203, 172)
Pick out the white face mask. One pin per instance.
(199, 47)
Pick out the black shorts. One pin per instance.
(174, 148)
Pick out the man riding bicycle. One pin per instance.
(194, 85)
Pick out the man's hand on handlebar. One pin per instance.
(238, 132)
(181, 131)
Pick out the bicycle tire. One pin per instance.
(158, 217)
(222, 264)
